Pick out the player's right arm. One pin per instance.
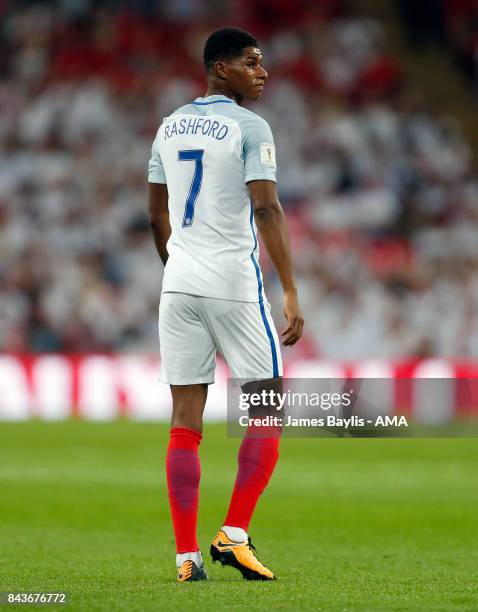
(158, 204)
(272, 225)
(159, 218)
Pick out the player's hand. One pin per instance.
(294, 317)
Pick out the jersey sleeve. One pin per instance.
(258, 151)
(155, 167)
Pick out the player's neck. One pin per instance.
(222, 90)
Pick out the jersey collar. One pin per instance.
(215, 99)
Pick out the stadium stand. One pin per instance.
(451, 23)
(380, 190)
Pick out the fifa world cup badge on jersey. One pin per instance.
(268, 154)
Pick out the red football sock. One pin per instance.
(183, 472)
(257, 459)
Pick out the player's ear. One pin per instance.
(220, 69)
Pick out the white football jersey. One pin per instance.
(206, 152)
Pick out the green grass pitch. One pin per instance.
(346, 524)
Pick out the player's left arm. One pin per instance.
(272, 225)
(159, 218)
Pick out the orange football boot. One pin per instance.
(190, 572)
(239, 555)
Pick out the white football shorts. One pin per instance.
(193, 328)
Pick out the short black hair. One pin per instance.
(226, 43)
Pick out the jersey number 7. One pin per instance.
(196, 156)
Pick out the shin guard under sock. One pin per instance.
(183, 472)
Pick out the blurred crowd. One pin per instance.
(450, 23)
(461, 19)
(379, 187)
